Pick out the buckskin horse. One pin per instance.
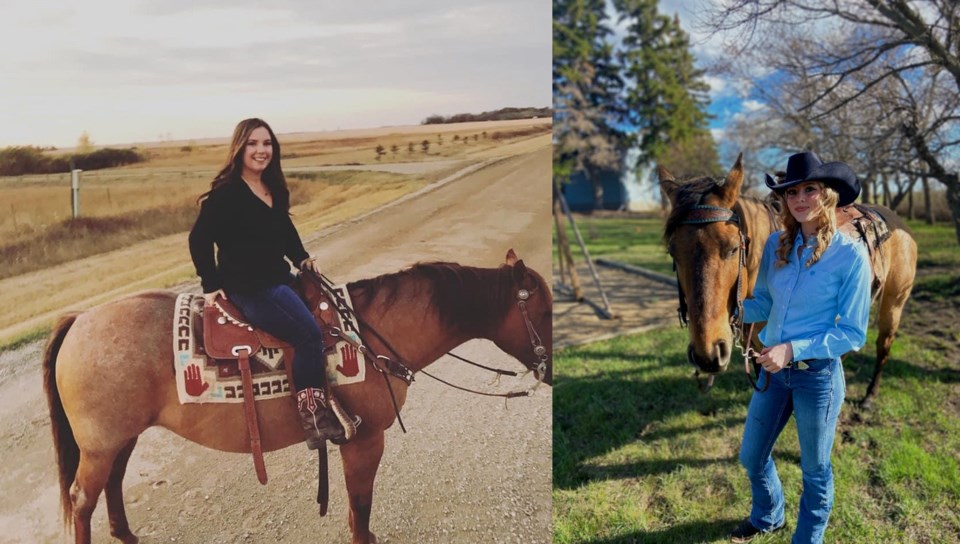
(125, 347)
(716, 236)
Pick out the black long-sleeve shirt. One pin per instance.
(252, 240)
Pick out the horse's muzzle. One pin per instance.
(712, 365)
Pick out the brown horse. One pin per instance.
(707, 253)
(125, 347)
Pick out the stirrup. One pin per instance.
(349, 423)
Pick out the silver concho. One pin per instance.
(540, 351)
(324, 306)
(222, 320)
(523, 294)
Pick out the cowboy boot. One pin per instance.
(323, 420)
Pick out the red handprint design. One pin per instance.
(193, 382)
(349, 367)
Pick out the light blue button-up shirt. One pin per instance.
(822, 310)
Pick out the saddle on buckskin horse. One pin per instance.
(867, 225)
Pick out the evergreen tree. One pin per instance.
(667, 97)
(586, 90)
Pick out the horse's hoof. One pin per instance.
(128, 538)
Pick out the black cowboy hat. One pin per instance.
(841, 178)
(808, 167)
(799, 167)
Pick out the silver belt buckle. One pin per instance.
(802, 365)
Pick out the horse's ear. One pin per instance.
(668, 183)
(511, 257)
(519, 272)
(730, 188)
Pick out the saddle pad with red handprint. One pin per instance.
(345, 365)
(201, 379)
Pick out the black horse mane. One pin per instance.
(468, 296)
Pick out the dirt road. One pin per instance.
(470, 469)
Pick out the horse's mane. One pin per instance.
(692, 193)
(464, 295)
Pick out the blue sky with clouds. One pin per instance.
(139, 70)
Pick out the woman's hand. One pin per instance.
(310, 264)
(774, 358)
(210, 298)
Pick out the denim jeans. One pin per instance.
(814, 397)
(280, 311)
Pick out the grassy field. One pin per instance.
(641, 456)
(132, 231)
(635, 239)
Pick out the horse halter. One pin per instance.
(704, 214)
(538, 348)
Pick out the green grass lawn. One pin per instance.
(632, 240)
(641, 456)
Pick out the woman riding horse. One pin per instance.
(246, 214)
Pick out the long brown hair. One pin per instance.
(272, 177)
(826, 226)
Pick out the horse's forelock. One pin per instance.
(690, 193)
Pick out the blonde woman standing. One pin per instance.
(813, 291)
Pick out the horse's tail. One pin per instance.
(65, 445)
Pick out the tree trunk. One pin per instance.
(886, 190)
(910, 213)
(903, 191)
(953, 200)
(565, 250)
(927, 204)
(865, 191)
(597, 193)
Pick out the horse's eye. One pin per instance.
(731, 253)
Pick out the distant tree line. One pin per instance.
(503, 114)
(20, 160)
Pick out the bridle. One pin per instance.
(701, 214)
(539, 350)
(400, 370)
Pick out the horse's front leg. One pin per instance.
(361, 459)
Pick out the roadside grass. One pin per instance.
(156, 209)
(631, 239)
(641, 456)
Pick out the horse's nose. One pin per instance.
(722, 351)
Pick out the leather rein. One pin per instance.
(703, 214)
(400, 370)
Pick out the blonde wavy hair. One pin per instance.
(826, 226)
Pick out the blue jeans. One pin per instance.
(280, 311)
(814, 397)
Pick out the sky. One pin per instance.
(127, 71)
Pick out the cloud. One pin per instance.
(753, 105)
(185, 59)
(718, 85)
